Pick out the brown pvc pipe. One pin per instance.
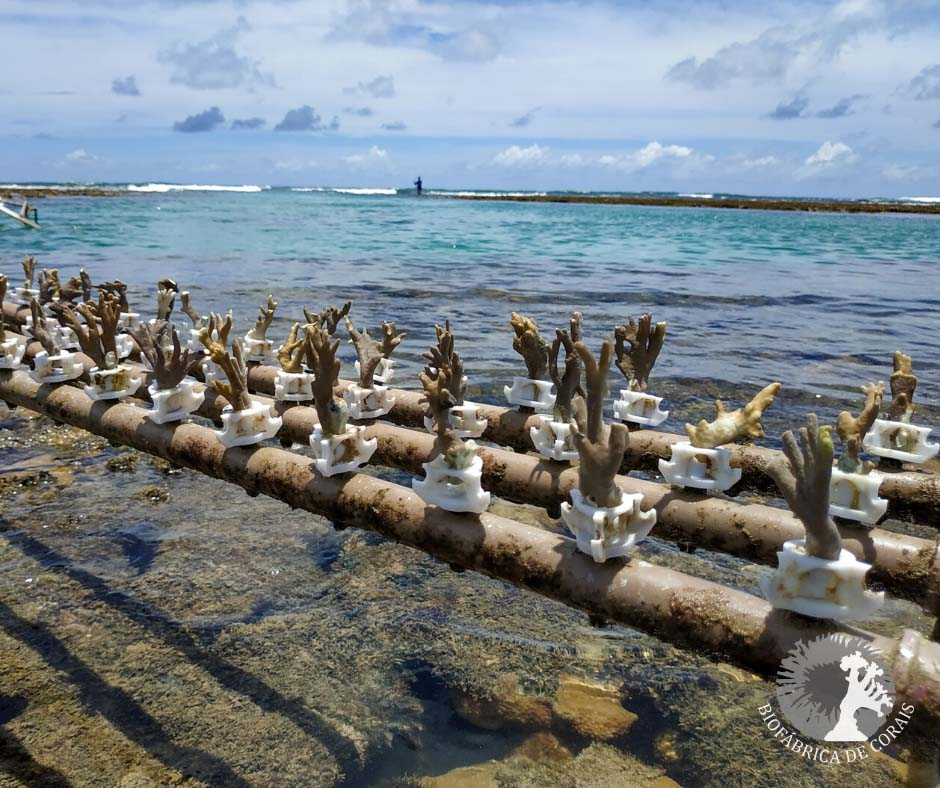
(907, 566)
(908, 493)
(678, 608)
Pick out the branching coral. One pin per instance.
(903, 383)
(49, 285)
(76, 286)
(390, 340)
(263, 322)
(39, 331)
(729, 426)
(439, 399)
(568, 382)
(329, 318)
(529, 344)
(166, 297)
(371, 351)
(187, 308)
(29, 271)
(320, 349)
(852, 430)
(217, 327)
(86, 333)
(118, 289)
(443, 354)
(645, 341)
(600, 446)
(169, 368)
(291, 353)
(232, 364)
(803, 474)
(3, 294)
(102, 320)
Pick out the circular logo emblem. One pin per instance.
(835, 688)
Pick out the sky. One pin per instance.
(809, 98)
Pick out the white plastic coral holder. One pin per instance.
(528, 393)
(552, 439)
(605, 532)
(453, 490)
(342, 453)
(176, 403)
(247, 427)
(818, 587)
(702, 469)
(898, 440)
(639, 408)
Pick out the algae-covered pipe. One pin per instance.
(907, 566)
(906, 492)
(677, 608)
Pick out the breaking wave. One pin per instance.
(162, 188)
(344, 191)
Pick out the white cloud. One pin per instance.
(81, 156)
(653, 153)
(764, 162)
(517, 156)
(832, 154)
(375, 155)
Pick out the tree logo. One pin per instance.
(835, 688)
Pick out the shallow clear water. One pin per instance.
(148, 634)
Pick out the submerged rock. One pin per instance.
(593, 710)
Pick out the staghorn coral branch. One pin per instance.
(529, 344)
(291, 353)
(39, 331)
(3, 295)
(187, 309)
(118, 289)
(169, 368)
(234, 367)
(86, 284)
(600, 446)
(217, 328)
(567, 383)
(263, 322)
(109, 313)
(803, 474)
(166, 297)
(329, 318)
(852, 430)
(49, 286)
(86, 333)
(390, 340)
(903, 383)
(320, 349)
(369, 352)
(645, 341)
(71, 290)
(440, 400)
(729, 426)
(29, 271)
(443, 354)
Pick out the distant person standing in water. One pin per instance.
(418, 185)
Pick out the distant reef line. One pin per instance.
(741, 203)
(753, 204)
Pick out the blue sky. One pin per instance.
(805, 98)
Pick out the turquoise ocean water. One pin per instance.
(819, 301)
